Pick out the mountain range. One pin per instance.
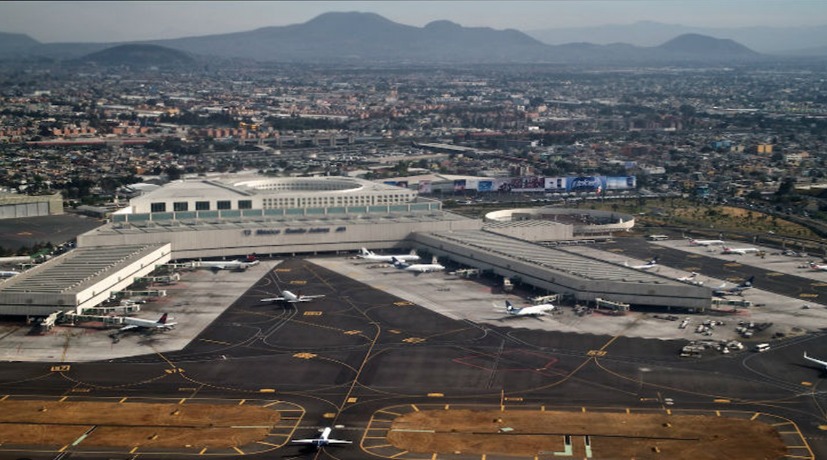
(369, 38)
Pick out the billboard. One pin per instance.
(588, 184)
(459, 185)
(424, 186)
(526, 184)
(621, 183)
(485, 186)
(555, 184)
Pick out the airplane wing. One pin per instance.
(339, 441)
(273, 299)
(809, 358)
(129, 327)
(309, 297)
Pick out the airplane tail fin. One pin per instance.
(748, 281)
(163, 319)
(364, 252)
(508, 307)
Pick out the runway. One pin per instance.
(357, 353)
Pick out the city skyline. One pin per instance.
(132, 21)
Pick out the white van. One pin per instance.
(762, 347)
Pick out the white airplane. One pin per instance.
(722, 290)
(370, 255)
(739, 251)
(289, 297)
(417, 268)
(647, 266)
(134, 324)
(690, 279)
(817, 361)
(236, 265)
(817, 267)
(534, 310)
(693, 242)
(322, 441)
(8, 273)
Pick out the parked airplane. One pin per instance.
(417, 268)
(648, 266)
(693, 242)
(289, 297)
(370, 255)
(8, 273)
(739, 251)
(534, 310)
(722, 290)
(691, 279)
(136, 324)
(236, 265)
(322, 441)
(817, 361)
(817, 267)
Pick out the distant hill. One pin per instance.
(367, 37)
(695, 44)
(139, 55)
(358, 38)
(16, 44)
(774, 40)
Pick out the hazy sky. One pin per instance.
(137, 20)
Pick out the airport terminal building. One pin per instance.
(227, 217)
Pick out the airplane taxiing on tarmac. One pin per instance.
(722, 290)
(289, 297)
(322, 441)
(136, 324)
(534, 310)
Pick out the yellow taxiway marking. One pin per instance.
(267, 443)
(282, 270)
(182, 401)
(755, 416)
(298, 282)
(4, 397)
(266, 390)
(808, 296)
(242, 402)
(722, 401)
(123, 400)
(380, 446)
(399, 454)
(60, 368)
(202, 451)
(583, 409)
(668, 411)
(62, 399)
(596, 353)
(718, 413)
(822, 427)
(416, 409)
(66, 447)
(238, 450)
(388, 412)
(628, 411)
(807, 384)
(329, 415)
(782, 424)
(447, 406)
(435, 395)
(433, 457)
(134, 449)
(312, 313)
(352, 400)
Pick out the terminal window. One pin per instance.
(158, 207)
(180, 206)
(224, 204)
(202, 205)
(245, 204)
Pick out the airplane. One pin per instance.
(691, 279)
(289, 297)
(216, 265)
(739, 251)
(322, 441)
(417, 268)
(534, 310)
(135, 324)
(817, 267)
(693, 242)
(8, 273)
(649, 265)
(817, 361)
(370, 255)
(722, 290)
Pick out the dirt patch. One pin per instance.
(129, 425)
(610, 435)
